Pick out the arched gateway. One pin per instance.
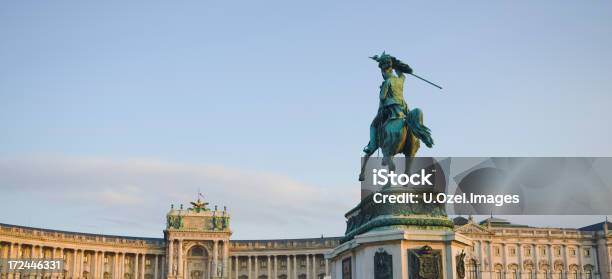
(197, 240)
(198, 263)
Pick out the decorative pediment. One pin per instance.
(471, 228)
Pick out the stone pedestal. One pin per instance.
(397, 241)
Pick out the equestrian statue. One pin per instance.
(396, 128)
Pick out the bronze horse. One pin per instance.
(400, 135)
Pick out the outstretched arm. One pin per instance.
(400, 66)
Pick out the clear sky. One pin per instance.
(112, 110)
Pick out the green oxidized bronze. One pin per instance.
(369, 215)
(395, 128)
(199, 205)
(175, 222)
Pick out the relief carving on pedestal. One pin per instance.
(425, 263)
(383, 265)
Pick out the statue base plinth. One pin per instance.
(393, 241)
(369, 215)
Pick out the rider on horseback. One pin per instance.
(392, 104)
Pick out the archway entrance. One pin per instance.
(198, 264)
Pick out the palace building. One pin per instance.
(197, 245)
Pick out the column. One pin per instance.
(580, 262)
(288, 266)
(40, 256)
(237, 266)
(490, 256)
(295, 266)
(215, 257)
(122, 265)
(102, 264)
(10, 255)
(180, 257)
(155, 266)
(256, 268)
(315, 264)
(596, 263)
(327, 267)
(116, 266)
(142, 266)
(269, 266)
(81, 262)
(565, 263)
(74, 263)
(480, 264)
(536, 267)
(163, 267)
(136, 266)
(551, 267)
(226, 267)
(170, 257)
(229, 269)
(307, 266)
(249, 268)
(52, 257)
(504, 259)
(520, 260)
(275, 267)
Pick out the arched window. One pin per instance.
(588, 271)
(573, 272)
(558, 274)
(529, 270)
(545, 269)
(499, 271)
(513, 271)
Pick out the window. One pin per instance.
(496, 250)
(105, 260)
(587, 252)
(148, 262)
(557, 251)
(263, 264)
(543, 251)
(572, 252)
(243, 264)
(86, 259)
(283, 263)
(528, 251)
(513, 252)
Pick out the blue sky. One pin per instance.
(279, 89)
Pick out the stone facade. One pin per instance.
(501, 250)
(199, 246)
(196, 244)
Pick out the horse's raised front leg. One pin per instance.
(366, 157)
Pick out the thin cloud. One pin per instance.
(262, 203)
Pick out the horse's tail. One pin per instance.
(416, 127)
